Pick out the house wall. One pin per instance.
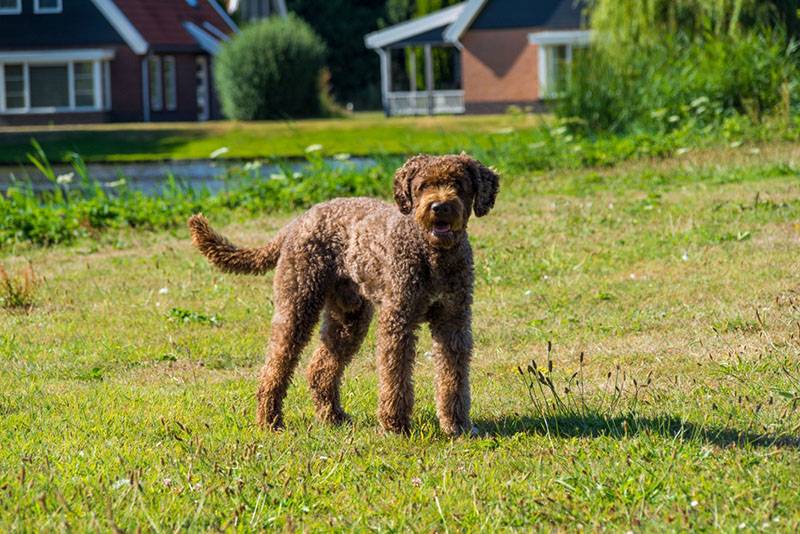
(126, 86)
(500, 69)
(31, 119)
(30, 31)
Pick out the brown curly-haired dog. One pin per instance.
(345, 256)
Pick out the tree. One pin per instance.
(342, 24)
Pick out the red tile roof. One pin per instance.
(161, 21)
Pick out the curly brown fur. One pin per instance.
(227, 257)
(346, 257)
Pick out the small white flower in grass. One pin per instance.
(685, 256)
(198, 486)
(681, 151)
(416, 482)
(116, 183)
(545, 277)
(65, 179)
(342, 157)
(219, 152)
(742, 526)
(673, 118)
(163, 291)
(528, 293)
(694, 504)
(167, 482)
(121, 483)
(313, 148)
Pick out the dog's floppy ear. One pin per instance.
(486, 184)
(402, 182)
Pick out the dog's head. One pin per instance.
(442, 191)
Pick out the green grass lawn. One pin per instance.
(116, 415)
(361, 135)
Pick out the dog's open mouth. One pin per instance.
(441, 228)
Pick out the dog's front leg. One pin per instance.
(396, 351)
(452, 352)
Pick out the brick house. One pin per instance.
(80, 61)
(504, 52)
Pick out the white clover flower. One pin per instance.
(313, 148)
(121, 483)
(220, 152)
(65, 179)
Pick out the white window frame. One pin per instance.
(12, 10)
(546, 40)
(59, 58)
(169, 94)
(38, 10)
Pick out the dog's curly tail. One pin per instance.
(229, 258)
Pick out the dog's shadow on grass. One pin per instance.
(595, 425)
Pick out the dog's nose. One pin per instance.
(439, 208)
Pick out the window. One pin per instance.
(163, 83)
(49, 86)
(15, 86)
(154, 72)
(10, 7)
(170, 84)
(34, 87)
(84, 84)
(557, 59)
(44, 7)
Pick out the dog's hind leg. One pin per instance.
(343, 331)
(298, 302)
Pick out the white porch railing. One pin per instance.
(421, 103)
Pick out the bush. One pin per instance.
(271, 70)
(662, 86)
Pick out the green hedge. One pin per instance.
(272, 69)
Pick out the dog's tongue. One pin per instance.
(441, 228)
